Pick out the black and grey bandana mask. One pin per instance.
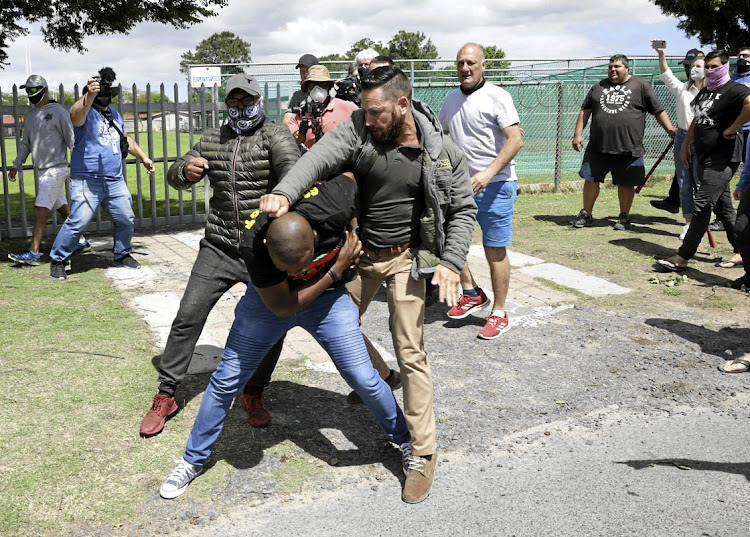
(243, 118)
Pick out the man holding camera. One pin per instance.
(242, 160)
(320, 112)
(305, 62)
(96, 176)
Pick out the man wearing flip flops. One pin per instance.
(721, 109)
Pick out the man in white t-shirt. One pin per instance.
(482, 120)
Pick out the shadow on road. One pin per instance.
(715, 342)
(740, 468)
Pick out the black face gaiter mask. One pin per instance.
(743, 66)
(38, 96)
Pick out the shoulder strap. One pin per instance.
(112, 123)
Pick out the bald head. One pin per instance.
(470, 65)
(479, 49)
(291, 242)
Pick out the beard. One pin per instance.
(389, 134)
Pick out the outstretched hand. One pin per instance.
(449, 283)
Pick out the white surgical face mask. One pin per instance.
(697, 73)
(318, 94)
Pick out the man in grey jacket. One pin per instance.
(415, 193)
(47, 135)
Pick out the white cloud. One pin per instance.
(282, 31)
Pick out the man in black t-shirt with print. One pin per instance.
(298, 264)
(617, 106)
(721, 109)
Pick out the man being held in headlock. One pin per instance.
(298, 265)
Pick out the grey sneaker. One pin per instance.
(393, 380)
(127, 261)
(178, 479)
(405, 456)
(57, 270)
(623, 222)
(582, 220)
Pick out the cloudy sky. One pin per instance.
(282, 31)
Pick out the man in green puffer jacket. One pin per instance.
(243, 160)
(414, 188)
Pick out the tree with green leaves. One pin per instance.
(411, 45)
(364, 44)
(224, 47)
(722, 23)
(492, 54)
(65, 23)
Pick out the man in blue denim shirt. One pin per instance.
(96, 174)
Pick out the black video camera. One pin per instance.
(310, 112)
(106, 78)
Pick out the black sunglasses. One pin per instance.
(35, 89)
(245, 101)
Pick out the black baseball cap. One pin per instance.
(691, 56)
(308, 60)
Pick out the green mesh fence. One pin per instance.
(549, 110)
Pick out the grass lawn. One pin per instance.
(626, 257)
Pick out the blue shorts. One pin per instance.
(495, 213)
(626, 170)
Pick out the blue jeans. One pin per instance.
(686, 178)
(333, 320)
(86, 195)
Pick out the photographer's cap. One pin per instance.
(691, 55)
(244, 82)
(308, 60)
(317, 73)
(35, 81)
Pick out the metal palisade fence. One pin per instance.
(166, 124)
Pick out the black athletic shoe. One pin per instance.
(127, 261)
(665, 205)
(57, 270)
(623, 222)
(582, 220)
(716, 225)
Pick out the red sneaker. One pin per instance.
(494, 326)
(467, 304)
(162, 408)
(257, 415)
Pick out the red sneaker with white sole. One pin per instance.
(467, 304)
(495, 326)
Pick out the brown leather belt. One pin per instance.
(389, 250)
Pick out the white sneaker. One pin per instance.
(684, 231)
(178, 479)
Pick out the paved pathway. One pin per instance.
(156, 291)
